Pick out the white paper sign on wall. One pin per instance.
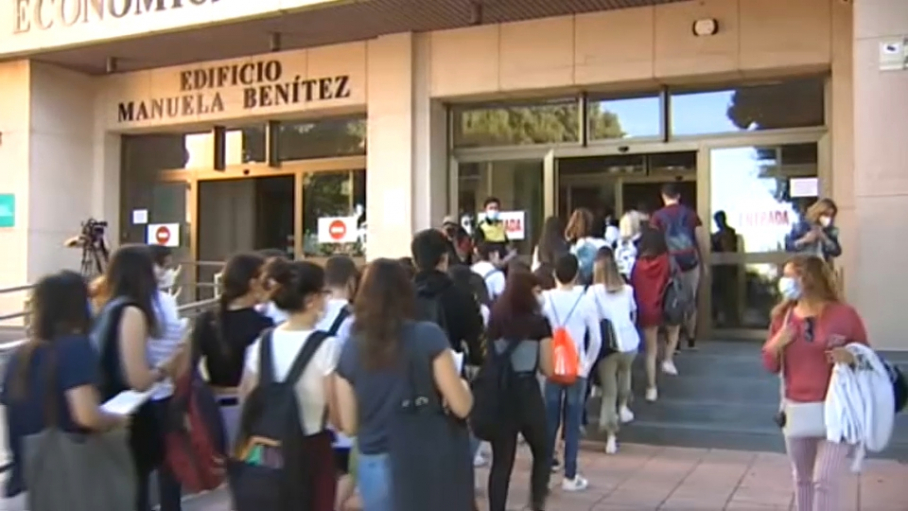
(894, 54)
(337, 229)
(514, 223)
(167, 235)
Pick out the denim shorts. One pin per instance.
(373, 478)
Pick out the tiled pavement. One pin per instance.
(646, 478)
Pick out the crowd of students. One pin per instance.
(378, 361)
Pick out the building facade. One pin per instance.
(175, 122)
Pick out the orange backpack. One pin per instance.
(565, 357)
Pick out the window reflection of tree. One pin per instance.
(331, 194)
(322, 138)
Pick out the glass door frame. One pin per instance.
(704, 192)
(551, 155)
(297, 169)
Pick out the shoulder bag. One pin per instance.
(76, 471)
(798, 420)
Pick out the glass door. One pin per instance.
(757, 193)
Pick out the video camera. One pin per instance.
(93, 229)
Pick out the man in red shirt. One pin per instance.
(686, 239)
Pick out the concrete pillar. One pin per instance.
(880, 183)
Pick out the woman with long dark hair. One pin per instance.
(517, 318)
(649, 277)
(126, 324)
(58, 346)
(370, 394)
(222, 336)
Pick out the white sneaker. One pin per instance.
(578, 483)
(480, 460)
(625, 414)
(652, 394)
(668, 367)
(611, 445)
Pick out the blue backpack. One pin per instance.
(680, 238)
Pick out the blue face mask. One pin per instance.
(789, 288)
(492, 215)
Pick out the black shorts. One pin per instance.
(342, 460)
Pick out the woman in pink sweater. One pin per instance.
(806, 338)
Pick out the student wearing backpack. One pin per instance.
(288, 399)
(584, 243)
(519, 330)
(372, 389)
(437, 298)
(487, 267)
(614, 301)
(222, 336)
(573, 317)
(650, 278)
(687, 242)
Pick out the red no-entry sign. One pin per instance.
(162, 235)
(337, 230)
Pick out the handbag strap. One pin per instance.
(786, 319)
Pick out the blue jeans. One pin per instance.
(374, 481)
(568, 400)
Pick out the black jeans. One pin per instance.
(169, 491)
(529, 419)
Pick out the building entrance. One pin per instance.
(609, 186)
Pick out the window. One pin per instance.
(622, 118)
(334, 195)
(322, 138)
(789, 104)
(245, 145)
(520, 124)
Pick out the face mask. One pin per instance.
(789, 288)
(825, 221)
(166, 278)
(492, 215)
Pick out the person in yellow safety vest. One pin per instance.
(491, 229)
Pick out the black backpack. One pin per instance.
(429, 307)
(266, 470)
(491, 389)
(899, 386)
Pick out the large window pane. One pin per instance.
(789, 104)
(620, 118)
(333, 194)
(762, 192)
(245, 145)
(517, 184)
(322, 138)
(519, 124)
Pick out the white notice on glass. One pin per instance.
(127, 402)
(139, 216)
(804, 187)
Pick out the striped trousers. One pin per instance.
(818, 467)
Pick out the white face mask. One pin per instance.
(789, 288)
(825, 221)
(492, 214)
(166, 277)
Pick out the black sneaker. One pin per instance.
(556, 465)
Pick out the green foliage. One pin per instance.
(532, 125)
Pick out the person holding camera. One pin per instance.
(807, 337)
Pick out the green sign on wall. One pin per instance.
(7, 210)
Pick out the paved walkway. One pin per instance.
(645, 478)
